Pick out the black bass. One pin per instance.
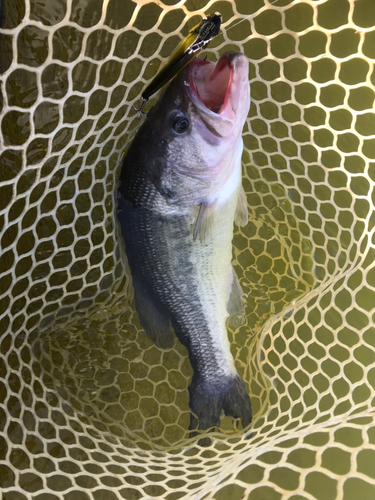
(180, 192)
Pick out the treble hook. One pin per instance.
(140, 110)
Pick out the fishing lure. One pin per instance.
(189, 48)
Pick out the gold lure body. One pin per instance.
(196, 40)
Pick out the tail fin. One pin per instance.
(208, 399)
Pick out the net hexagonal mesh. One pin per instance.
(92, 409)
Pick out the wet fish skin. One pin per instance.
(181, 278)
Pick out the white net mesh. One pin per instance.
(89, 407)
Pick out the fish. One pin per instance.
(180, 193)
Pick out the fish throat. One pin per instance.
(212, 82)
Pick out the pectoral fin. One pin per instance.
(203, 223)
(241, 216)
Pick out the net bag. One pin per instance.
(90, 408)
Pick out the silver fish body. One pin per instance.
(180, 192)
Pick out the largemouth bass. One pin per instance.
(180, 192)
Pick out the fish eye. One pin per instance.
(180, 123)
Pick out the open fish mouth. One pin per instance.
(212, 82)
(220, 92)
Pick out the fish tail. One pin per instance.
(208, 399)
